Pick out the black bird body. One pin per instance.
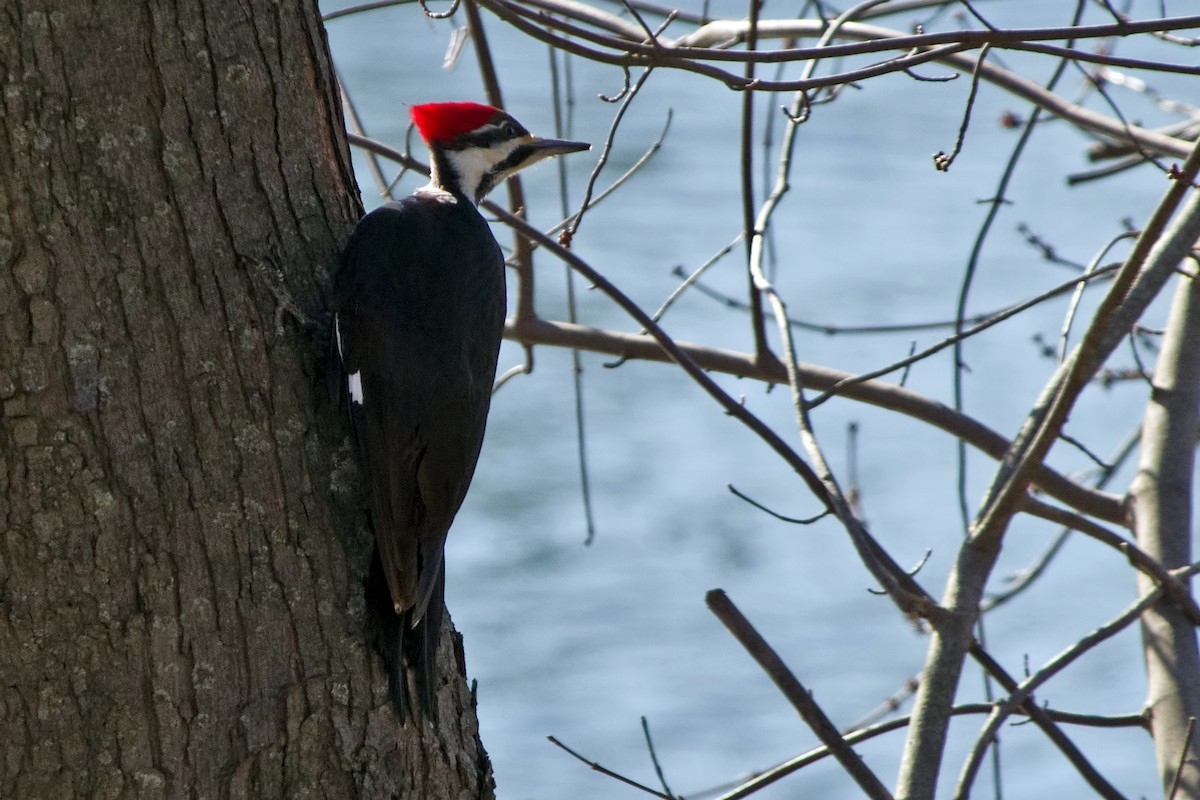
(419, 304)
(421, 330)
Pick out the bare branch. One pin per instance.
(945, 47)
(1145, 563)
(1024, 692)
(1043, 720)
(1027, 576)
(1153, 259)
(770, 776)
(1102, 505)
(796, 694)
(1155, 244)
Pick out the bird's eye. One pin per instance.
(509, 129)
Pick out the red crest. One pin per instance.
(441, 122)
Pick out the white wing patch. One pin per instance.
(353, 380)
(337, 335)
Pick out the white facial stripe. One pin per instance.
(473, 163)
(337, 334)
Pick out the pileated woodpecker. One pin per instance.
(419, 307)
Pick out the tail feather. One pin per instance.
(421, 646)
(407, 649)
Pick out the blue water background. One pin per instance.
(580, 642)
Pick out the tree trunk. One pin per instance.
(1161, 500)
(182, 550)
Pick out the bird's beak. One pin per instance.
(557, 147)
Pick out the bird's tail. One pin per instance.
(407, 649)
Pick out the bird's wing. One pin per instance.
(418, 336)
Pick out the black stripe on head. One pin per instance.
(500, 128)
(515, 159)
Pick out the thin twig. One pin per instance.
(830, 329)
(1089, 268)
(562, 131)
(524, 368)
(629, 95)
(1083, 448)
(690, 280)
(943, 160)
(603, 770)
(888, 706)
(381, 183)
(1097, 84)
(1045, 249)
(750, 232)
(854, 493)
(792, 520)
(963, 335)
(654, 759)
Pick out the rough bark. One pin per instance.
(180, 548)
(1161, 500)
